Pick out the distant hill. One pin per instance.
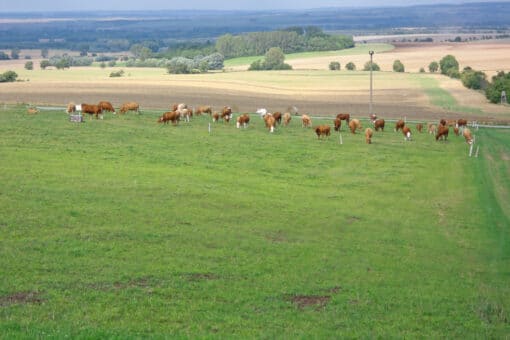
(111, 31)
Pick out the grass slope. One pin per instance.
(124, 228)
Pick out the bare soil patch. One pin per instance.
(304, 301)
(20, 298)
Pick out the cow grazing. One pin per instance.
(431, 128)
(419, 127)
(354, 125)
(278, 117)
(368, 135)
(130, 106)
(407, 133)
(270, 122)
(203, 110)
(322, 131)
(344, 116)
(399, 125)
(185, 114)
(468, 136)
(226, 114)
(92, 110)
(71, 108)
(338, 124)
(456, 131)
(379, 124)
(32, 110)
(215, 116)
(306, 121)
(106, 106)
(243, 120)
(442, 132)
(461, 123)
(286, 118)
(171, 116)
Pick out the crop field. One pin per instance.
(127, 228)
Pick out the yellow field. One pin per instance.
(310, 86)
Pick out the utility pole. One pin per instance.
(371, 64)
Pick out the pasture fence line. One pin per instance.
(474, 124)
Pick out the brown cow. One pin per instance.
(338, 124)
(468, 136)
(278, 117)
(368, 135)
(354, 125)
(215, 116)
(71, 107)
(243, 120)
(456, 131)
(379, 124)
(419, 127)
(322, 131)
(270, 121)
(399, 125)
(92, 110)
(407, 133)
(373, 118)
(286, 118)
(344, 116)
(306, 121)
(461, 122)
(442, 122)
(171, 116)
(226, 114)
(106, 106)
(130, 106)
(203, 109)
(442, 132)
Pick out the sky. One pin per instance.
(76, 5)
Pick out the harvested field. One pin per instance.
(310, 87)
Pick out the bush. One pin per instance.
(334, 66)
(119, 73)
(8, 76)
(500, 82)
(44, 63)
(375, 67)
(350, 66)
(398, 66)
(29, 65)
(433, 67)
(453, 73)
(472, 79)
(422, 70)
(449, 63)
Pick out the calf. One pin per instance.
(286, 118)
(431, 128)
(407, 133)
(468, 136)
(322, 131)
(379, 124)
(442, 132)
(419, 127)
(306, 121)
(226, 114)
(368, 135)
(270, 121)
(278, 117)
(243, 120)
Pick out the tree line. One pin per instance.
(290, 40)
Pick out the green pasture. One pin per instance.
(357, 50)
(125, 228)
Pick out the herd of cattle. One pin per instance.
(181, 111)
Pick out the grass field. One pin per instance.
(125, 228)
